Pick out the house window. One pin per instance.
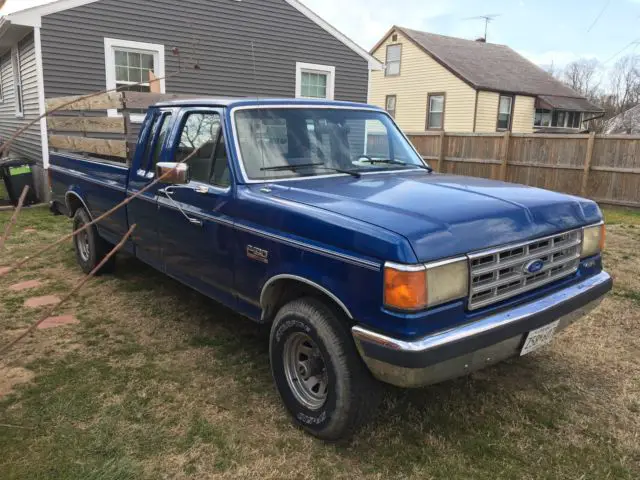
(390, 105)
(543, 118)
(557, 118)
(435, 114)
(315, 81)
(132, 66)
(505, 108)
(394, 54)
(17, 81)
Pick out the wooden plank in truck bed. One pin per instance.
(87, 124)
(110, 148)
(104, 101)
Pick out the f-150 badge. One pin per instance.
(258, 254)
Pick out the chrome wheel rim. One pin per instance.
(82, 241)
(305, 371)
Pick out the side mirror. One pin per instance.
(176, 173)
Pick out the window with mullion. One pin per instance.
(435, 113)
(132, 68)
(505, 110)
(314, 85)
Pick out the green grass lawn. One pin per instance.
(157, 381)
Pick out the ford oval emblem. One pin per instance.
(534, 266)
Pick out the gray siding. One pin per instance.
(218, 33)
(28, 144)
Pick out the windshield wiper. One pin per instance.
(389, 161)
(294, 168)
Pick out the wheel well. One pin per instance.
(285, 290)
(73, 204)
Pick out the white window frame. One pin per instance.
(18, 94)
(328, 70)
(110, 46)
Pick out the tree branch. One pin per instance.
(100, 218)
(73, 291)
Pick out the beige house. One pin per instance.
(436, 82)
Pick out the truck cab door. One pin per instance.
(143, 209)
(195, 231)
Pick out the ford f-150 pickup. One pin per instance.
(321, 220)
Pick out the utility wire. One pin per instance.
(599, 15)
(633, 42)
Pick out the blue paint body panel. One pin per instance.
(336, 231)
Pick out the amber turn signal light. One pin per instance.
(405, 288)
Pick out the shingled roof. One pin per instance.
(489, 66)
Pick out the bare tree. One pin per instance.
(584, 76)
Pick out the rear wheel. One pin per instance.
(320, 377)
(90, 247)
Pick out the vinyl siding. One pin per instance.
(216, 33)
(487, 116)
(523, 114)
(419, 76)
(27, 144)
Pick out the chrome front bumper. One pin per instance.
(466, 348)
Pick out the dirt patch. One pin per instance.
(4, 270)
(53, 322)
(36, 302)
(12, 376)
(19, 287)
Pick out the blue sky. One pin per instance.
(544, 31)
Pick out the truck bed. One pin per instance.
(98, 184)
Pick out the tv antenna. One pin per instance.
(487, 20)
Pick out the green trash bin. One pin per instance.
(18, 173)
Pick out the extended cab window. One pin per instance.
(156, 140)
(201, 140)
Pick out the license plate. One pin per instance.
(539, 338)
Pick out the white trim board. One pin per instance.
(42, 107)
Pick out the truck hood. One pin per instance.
(444, 215)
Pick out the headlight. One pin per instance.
(415, 287)
(593, 240)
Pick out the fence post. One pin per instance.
(442, 152)
(505, 155)
(587, 164)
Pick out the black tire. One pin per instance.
(90, 248)
(352, 394)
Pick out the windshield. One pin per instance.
(277, 143)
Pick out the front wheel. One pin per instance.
(320, 377)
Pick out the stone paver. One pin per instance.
(36, 302)
(53, 322)
(19, 287)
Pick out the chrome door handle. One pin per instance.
(167, 192)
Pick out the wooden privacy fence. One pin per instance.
(83, 124)
(605, 168)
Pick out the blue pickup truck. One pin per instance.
(321, 220)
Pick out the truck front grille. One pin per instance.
(508, 271)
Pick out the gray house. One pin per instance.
(243, 47)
